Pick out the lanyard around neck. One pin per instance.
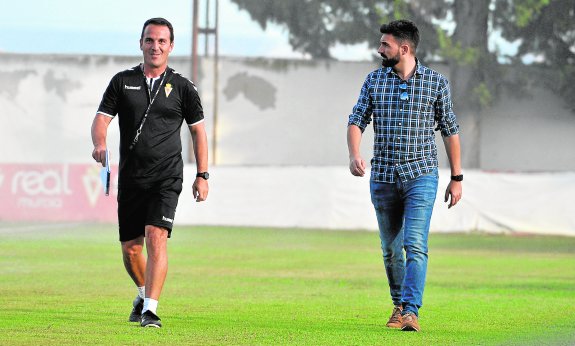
(152, 99)
(149, 86)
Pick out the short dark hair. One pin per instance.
(159, 21)
(402, 30)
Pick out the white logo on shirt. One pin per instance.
(127, 87)
(166, 219)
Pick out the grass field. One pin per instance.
(65, 285)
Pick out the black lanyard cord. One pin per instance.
(139, 131)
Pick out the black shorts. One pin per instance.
(154, 205)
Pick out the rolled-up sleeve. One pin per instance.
(444, 115)
(361, 113)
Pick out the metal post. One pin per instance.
(207, 30)
(191, 157)
(207, 26)
(216, 87)
(195, 41)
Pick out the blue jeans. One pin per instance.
(403, 212)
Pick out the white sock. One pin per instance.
(150, 304)
(142, 292)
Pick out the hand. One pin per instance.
(200, 189)
(357, 166)
(454, 190)
(99, 154)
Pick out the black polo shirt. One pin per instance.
(158, 153)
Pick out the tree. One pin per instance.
(317, 25)
(544, 28)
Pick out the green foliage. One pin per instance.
(468, 56)
(400, 10)
(246, 286)
(482, 95)
(545, 28)
(542, 28)
(317, 25)
(526, 10)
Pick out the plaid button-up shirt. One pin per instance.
(404, 127)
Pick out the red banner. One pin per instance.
(50, 192)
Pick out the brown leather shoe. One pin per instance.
(409, 323)
(395, 318)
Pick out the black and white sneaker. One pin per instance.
(136, 314)
(150, 319)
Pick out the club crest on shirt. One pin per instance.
(168, 89)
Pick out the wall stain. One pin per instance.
(257, 90)
(61, 86)
(11, 80)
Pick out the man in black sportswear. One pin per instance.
(151, 102)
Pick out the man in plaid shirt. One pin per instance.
(406, 102)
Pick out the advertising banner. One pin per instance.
(56, 192)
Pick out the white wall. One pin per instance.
(281, 147)
(330, 197)
(271, 112)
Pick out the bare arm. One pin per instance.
(356, 162)
(200, 142)
(99, 133)
(454, 188)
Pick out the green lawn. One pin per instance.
(65, 285)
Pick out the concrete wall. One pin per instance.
(270, 112)
(273, 114)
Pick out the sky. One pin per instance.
(112, 27)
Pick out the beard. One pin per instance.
(390, 62)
